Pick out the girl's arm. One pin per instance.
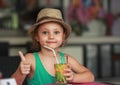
(23, 70)
(18, 77)
(78, 73)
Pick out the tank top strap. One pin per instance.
(38, 62)
(62, 58)
(36, 56)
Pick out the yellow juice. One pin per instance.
(59, 73)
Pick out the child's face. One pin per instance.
(50, 34)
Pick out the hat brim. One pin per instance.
(65, 25)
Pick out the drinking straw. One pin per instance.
(53, 53)
(67, 59)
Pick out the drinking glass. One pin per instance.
(59, 72)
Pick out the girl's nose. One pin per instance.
(51, 35)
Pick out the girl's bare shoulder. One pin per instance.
(72, 59)
(29, 56)
(69, 56)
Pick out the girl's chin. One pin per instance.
(53, 47)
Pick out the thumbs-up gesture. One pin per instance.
(24, 64)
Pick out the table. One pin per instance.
(93, 83)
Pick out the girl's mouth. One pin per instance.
(51, 42)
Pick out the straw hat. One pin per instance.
(48, 15)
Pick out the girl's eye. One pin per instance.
(45, 32)
(57, 32)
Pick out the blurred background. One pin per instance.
(94, 41)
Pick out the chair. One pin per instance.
(115, 58)
(8, 66)
(4, 49)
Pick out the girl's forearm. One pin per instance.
(18, 77)
(83, 77)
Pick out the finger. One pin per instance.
(69, 76)
(69, 66)
(21, 56)
(26, 67)
(25, 72)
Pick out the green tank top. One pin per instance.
(41, 76)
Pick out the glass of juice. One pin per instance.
(59, 73)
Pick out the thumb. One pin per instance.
(21, 56)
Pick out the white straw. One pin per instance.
(53, 53)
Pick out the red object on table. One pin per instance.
(93, 83)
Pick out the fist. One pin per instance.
(69, 73)
(24, 64)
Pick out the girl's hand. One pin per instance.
(69, 74)
(24, 65)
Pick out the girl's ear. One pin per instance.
(63, 37)
(36, 38)
(63, 40)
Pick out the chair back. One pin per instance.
(4, 49)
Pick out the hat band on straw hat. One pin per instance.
(44, 18)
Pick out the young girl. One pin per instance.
(49, 30)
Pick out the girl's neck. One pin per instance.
(46, 52)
